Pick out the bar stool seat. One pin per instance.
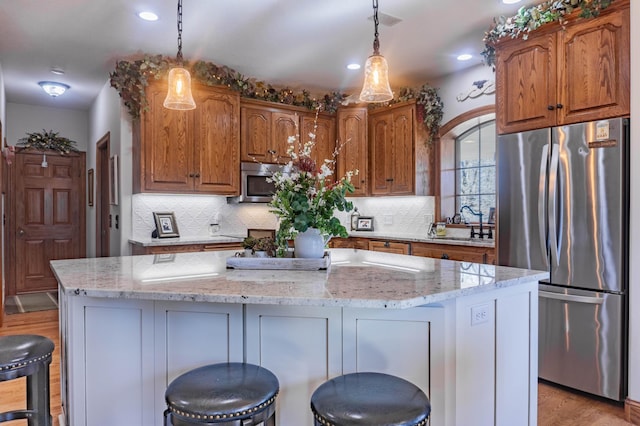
(228, 393)
(28, 355)
(372, 399)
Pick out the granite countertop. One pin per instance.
(180, 241)
(453, 240)
(356, 278)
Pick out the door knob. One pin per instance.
(21, 232)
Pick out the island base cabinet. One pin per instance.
(107, 362)
(189, 335)
(407, 343)
(496, 367)
(302, 346)
(119, 356)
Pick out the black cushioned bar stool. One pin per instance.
(229, 394)
(28, 355)
(372, 399)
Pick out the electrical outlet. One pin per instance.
(479, 314)
(388, 219)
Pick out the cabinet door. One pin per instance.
(166, 145)
(325, 131)
(380, 151)
(217, 142)
(594, 68)
(402, 163)
(283, 125)
(255, 134)
(526, 84)
(352, 144)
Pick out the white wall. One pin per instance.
(634, 275)
(107, 116)
(69, 123)
(461, 83)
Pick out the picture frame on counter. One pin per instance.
(364, 223)
(166, 225)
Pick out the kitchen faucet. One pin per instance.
(480, 234)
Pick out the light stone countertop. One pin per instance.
(180, 241)
(357, 278)
(417, 238)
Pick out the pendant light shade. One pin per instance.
(179, 95)
(376, 80)
(376, 71)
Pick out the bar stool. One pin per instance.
(230, 394)
(28, 355)
(372, 399)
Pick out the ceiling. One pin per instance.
(295, 43)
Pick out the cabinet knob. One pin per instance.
(550, 107)
(444, 256)
(272, 151)
(190, 174)
(387, 244)
(559, 106)
(389, 180)
(197, 175)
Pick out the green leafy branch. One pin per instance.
(47, 140)
(529, 19)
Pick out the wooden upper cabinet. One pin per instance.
(217, 147)
(566, 76)
(264, 132)
(594, 68)
(193, 151)
(353, 152)
(325, 131)
(391, 150)
(526, 78)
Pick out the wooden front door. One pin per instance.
(48, 220)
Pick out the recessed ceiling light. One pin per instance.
(53, 88)
(57, 71)
(464, 57)
(510, 1)
(148, 16)
(353, 66)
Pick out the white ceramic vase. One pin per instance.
(309, 244)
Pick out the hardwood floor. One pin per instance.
(556, 406)
(12, 393)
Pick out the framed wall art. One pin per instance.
(364, 224)
(166, 224)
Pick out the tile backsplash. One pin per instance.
(194, 213)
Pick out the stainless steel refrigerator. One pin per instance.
(563, 206)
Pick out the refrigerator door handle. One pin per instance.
(571, 298)
(541, 198)
(553, 189)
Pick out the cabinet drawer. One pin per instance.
(389, 247)
(463, 254)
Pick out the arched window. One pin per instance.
(468, 166)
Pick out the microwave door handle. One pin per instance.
(541, 199)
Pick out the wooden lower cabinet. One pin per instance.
(351, 242)
(187, 248)
(452, 252)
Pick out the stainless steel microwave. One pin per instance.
(254, 185)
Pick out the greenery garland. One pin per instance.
(532, 18)
(47, 140)
(130, 78)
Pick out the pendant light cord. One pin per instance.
(376, 42)
(179, 55)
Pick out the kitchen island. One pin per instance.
(465, 333)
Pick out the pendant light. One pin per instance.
(179, 93)
(376, 71)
